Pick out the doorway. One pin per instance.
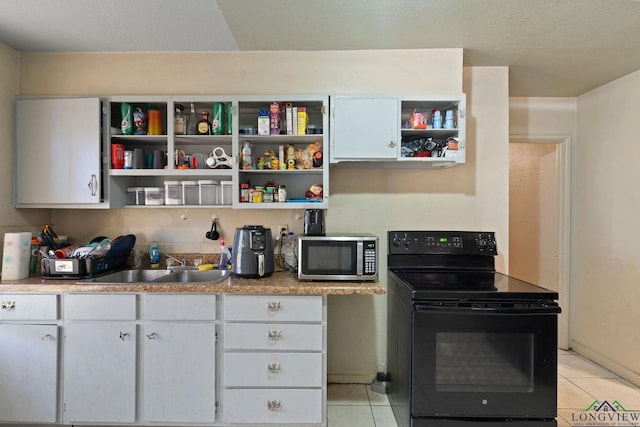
(539, 206)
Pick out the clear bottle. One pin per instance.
(222, 264)
(247, 162)
(192, 121)
(137, 259)
(289, 247)
(180, 122)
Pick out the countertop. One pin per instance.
(284, 282)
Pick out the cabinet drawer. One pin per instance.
(100, 307)
(28, 307)
(272, 336)
(273, 406)
(276, 308)
(180, 307)
(273, 369)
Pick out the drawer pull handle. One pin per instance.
(8, 305)
(123, 335)
(152, 336)
(272, 307)
(47, 337)
(273, 405)
(273, 368)
(273, 335)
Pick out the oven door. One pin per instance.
(484, 360)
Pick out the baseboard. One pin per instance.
(605, 362)
(350, 379)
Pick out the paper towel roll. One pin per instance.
(16, 255)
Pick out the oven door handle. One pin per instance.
(552, 309)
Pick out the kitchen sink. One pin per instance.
(130, 276)
(189, 276)
(159, 276)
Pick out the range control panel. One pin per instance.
(442, 242)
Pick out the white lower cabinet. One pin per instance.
(100, 373)
(28, 373)
(154, 359)
(29, 348)
(179, 359)
(274, 359)
(100, 350)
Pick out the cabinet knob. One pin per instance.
(47, 337)
(273, 405)
(273, 306)
(152, 336)
(392, 144)
(273, 335)
(123, 335)
(8, 305)
(273, 368)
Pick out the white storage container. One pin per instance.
(153, 196)
(172, 193)
(135, 196)
(226, 193)
(209, 192)
(190, 193)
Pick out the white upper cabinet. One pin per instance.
(58, 153)
(398, 131)
(364, 128)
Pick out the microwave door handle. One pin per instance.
(360, 259)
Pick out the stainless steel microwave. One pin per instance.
(338, 257)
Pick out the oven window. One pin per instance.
(484, 361)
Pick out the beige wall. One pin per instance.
(470, 196)
(606, 264)
(11, 220)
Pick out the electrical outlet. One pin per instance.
(283, 229)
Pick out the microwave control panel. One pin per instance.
(370, 257)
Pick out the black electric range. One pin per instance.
(467, 346)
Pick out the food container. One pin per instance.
(172, 193)
(226, 194)
(190, 193)
(135, 196)
(209, 192)
(153, 196)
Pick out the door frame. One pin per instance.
(564, 172)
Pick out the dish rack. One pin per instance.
(82, 268)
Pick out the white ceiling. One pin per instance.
(552, 47)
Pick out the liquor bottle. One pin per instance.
(179, 124)
(204, 125)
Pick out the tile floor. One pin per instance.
(580, 382)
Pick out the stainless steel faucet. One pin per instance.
(181, 262)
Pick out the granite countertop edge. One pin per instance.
(277, 283)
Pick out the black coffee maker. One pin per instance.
(314, 222)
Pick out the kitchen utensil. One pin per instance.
(252, 254)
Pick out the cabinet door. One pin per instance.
(364, 128)
(58, 152)
(99, 373)
(28, 378)
(179, 372)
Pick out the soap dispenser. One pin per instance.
(154, 255)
